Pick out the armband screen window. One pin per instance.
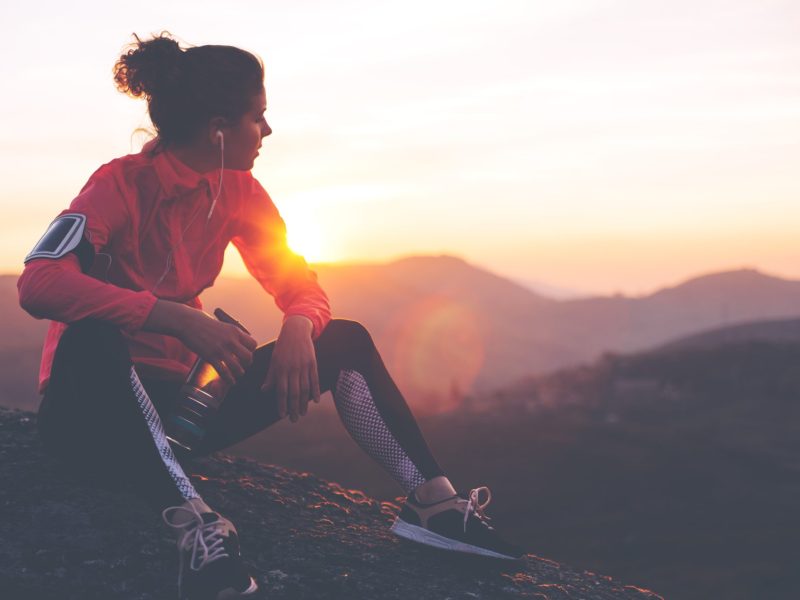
(63, 236)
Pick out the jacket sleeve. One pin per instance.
(57, 288)
(260, 238)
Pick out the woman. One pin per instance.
(119, 274)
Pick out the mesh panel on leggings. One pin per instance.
(174, 469)
(361, 418)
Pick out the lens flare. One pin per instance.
(438, 352)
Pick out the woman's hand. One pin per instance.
(293, 368)
(225, 346)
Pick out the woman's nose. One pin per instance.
(266, 130)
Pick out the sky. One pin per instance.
(596, 146)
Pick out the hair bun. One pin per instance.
(149, 67)
(186, 88)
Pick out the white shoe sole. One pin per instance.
(230, 593)
(415, 533)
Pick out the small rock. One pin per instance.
(93, 562)
(277, 575)
(369, 557)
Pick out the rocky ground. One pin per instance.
(303, 537)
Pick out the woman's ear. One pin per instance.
(216, 130)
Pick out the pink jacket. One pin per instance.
(136, 208)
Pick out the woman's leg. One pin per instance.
(98, 421)
(371, 407)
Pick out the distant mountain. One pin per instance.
(626, 324)
(448, 329)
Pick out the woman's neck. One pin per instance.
(201, 158)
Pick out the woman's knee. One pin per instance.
(91, 333)
(343, 345)
(91, 338)
(88, 350)
(349, 334)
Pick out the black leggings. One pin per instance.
(102, 423)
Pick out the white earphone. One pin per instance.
(220, 135)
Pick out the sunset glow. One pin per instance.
(594, 145)
(306, 240)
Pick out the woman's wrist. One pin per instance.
(170, 318)
(298, 323)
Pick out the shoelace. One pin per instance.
(476, 507)
(204, 539)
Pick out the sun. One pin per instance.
(305, 238)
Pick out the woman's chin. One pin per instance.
(242, 166)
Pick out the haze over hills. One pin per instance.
(627, 324)
(447, 328)
(780, 330)
(20, 349)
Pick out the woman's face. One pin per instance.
(243, 139)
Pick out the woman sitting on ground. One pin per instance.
(120, 272)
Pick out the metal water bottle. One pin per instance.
(199, 398)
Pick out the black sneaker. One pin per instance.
(456, 523)
(210, 566)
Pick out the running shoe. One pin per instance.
(458, 523)
(210, 565)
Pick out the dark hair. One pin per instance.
(185, 88)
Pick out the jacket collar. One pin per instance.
(176, 177)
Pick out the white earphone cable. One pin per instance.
(169, 261)
(221, 137)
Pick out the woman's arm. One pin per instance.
(57, 289)
(261, 241)
(293, 368)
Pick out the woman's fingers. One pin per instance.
(243, 356)
(314, 377)
(277, 381)
(281, 387)
(247, 340)
(229, 365)
(224, 371)
(236, 367)
(237, 351)
(305, 390)
(294, 396)
(293, 389)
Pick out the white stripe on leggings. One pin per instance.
(361, 418)
(174, 469)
